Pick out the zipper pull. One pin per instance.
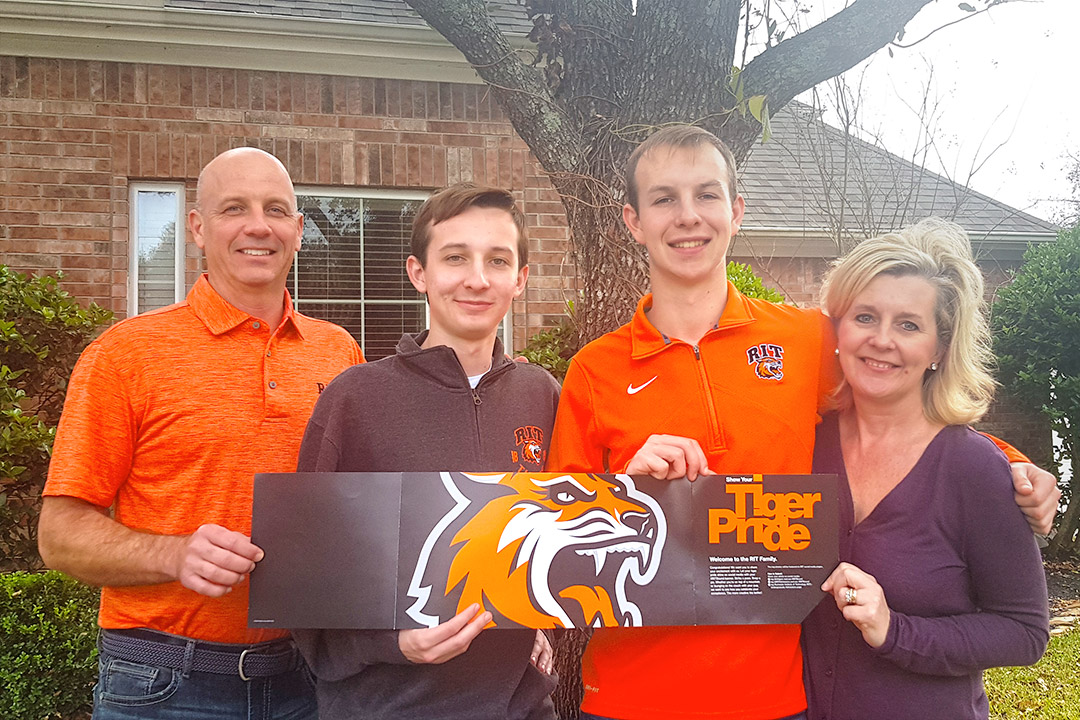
(475, 397)
(697, 353)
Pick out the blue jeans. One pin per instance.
(134, 691)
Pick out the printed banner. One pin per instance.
(539, 550)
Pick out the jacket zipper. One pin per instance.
(476, 418)
(714, 432)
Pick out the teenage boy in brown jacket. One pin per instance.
(449, 399)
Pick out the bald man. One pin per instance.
(168, 416)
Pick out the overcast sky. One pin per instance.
(1009, 76)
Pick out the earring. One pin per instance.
(933, 367)
(836, 352)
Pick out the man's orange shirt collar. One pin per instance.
(220, 317)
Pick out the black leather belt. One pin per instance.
(149, 647)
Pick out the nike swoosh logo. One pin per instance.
(631, 390)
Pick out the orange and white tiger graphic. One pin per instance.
(770, 369)
(533, 452)
(511, 538)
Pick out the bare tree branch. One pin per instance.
(993, 4)
(594, 40)
(827, 49)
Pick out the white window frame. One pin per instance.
(361, 193)
(179, 289)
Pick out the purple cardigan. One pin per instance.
(962, 576)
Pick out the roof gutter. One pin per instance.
(772, 241)
(146, 32)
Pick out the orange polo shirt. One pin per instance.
(169, 415)
(749, 392)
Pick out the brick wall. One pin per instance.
(74, 133)
(1025, 428)
(800, 278)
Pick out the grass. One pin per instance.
(1049, 690)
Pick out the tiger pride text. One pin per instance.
(765, 518)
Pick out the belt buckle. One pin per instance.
(240, 665)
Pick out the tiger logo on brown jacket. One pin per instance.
(540, 550)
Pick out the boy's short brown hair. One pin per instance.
(456, 199)
(678, 136)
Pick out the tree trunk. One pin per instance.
(1063, 545)
(569, 646)
(614, 72)
(1067, 541)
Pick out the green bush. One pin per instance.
(48, 654)
(42, 331)
(552, 349)
(1036, 324)
(25, 442)
(750, 285)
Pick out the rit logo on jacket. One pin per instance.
(529, 440)
(767, 359)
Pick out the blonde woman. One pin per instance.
(940, 575)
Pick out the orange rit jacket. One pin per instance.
(749, 393)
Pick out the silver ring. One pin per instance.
(850, 595)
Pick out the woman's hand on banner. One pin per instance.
(861, 600)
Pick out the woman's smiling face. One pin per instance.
(888, 338)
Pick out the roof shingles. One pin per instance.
(797, 180)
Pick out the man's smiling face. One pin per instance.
(246, 223)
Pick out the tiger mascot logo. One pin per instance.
(770, 369)
(767, 359)
(511, 536)
(533, 452)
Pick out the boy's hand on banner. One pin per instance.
(669, 457)
(1037, 494)
(446, 640)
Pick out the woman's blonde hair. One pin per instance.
(938, 251)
